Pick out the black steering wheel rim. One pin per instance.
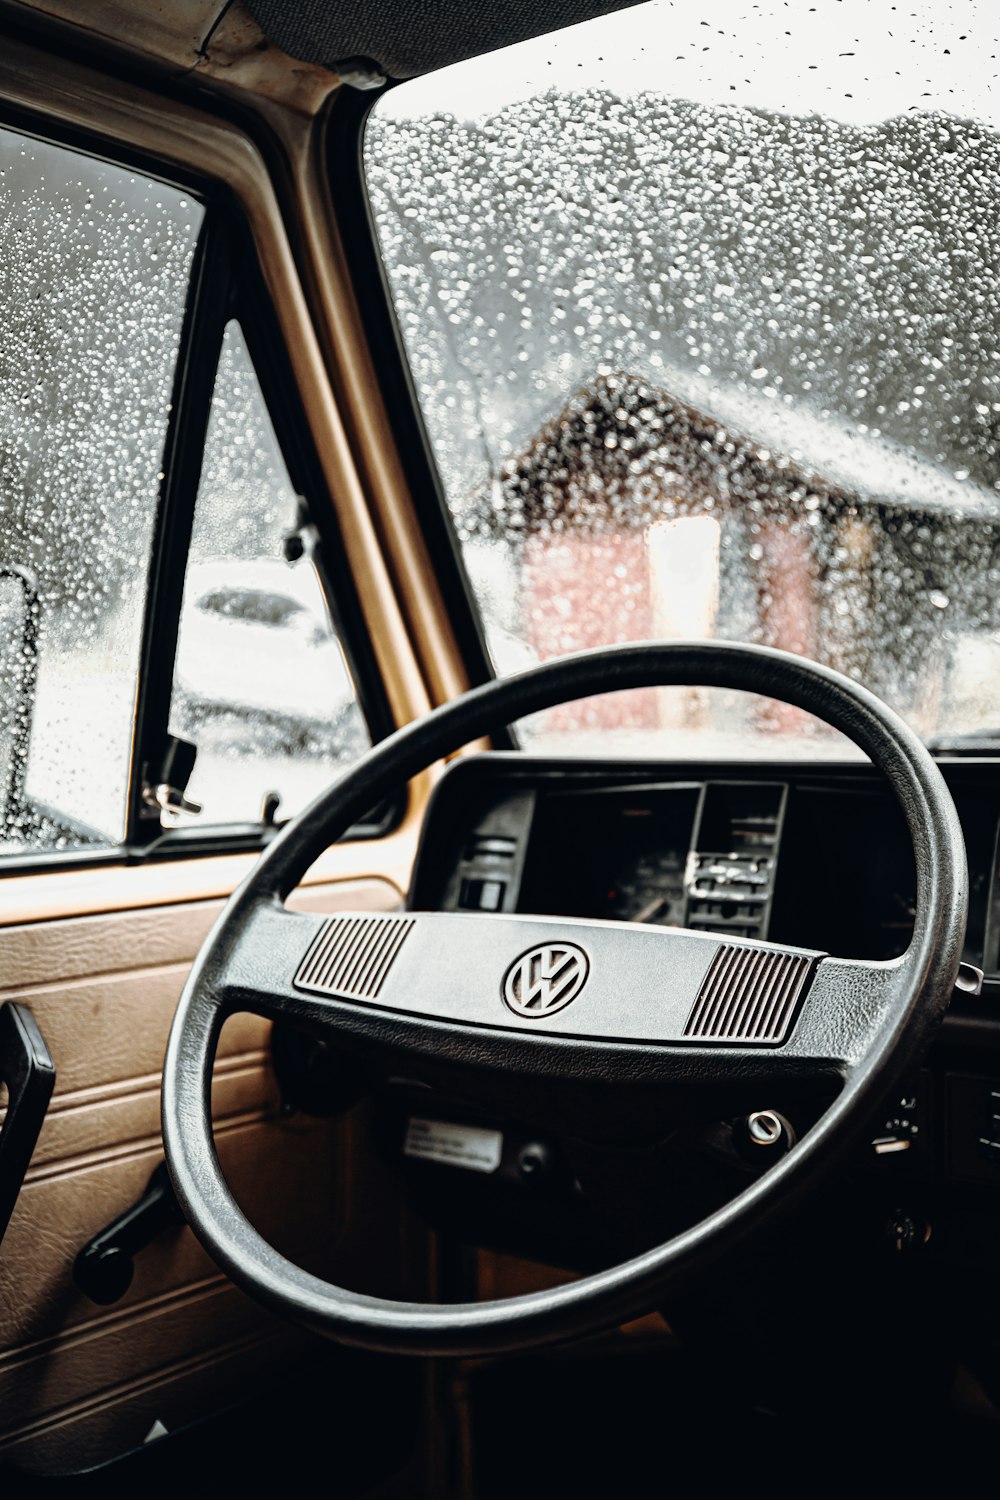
(919, 988)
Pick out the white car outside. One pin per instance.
(256, 641)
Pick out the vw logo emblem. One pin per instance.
(545, 979)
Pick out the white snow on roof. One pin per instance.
(831, 447)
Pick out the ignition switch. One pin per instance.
(906, 1231)
(763, 1136)
(536, 1162)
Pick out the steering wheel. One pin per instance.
(539, 999)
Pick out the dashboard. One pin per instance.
(817, 857)
(810, 855)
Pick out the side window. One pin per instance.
(94, 269)
(96, 294)
(261, 683)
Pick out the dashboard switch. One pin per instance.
(891, 1147)
(482, 895)
(901, 1129)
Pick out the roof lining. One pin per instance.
(404, 38)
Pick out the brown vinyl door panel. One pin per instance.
(78, 1382)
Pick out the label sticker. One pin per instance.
(466, 1146)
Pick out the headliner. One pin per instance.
(407, 37)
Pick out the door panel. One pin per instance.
(85, 1431)
(72, 1373)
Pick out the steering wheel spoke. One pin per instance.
(256, 974)
(539, 996)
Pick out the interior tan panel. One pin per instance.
(362, 408)
(117, 1352)
(88, 889)
(103, 990)
(218, 43)
(92, 1125)
(47, 1319)
(120, 1421)
(135, 942)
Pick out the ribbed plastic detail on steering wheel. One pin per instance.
(749, 995)
(351, 956)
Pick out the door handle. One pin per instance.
(104, 1268)
(29, 1073)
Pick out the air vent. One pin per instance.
(729, 893)
(490, 846)
(749, 995)
(351, 956)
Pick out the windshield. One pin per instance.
(703, 322)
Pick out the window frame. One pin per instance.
(345, 142)
(226, 283)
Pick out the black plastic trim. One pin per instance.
(29, 1074)
(13, 792)
(194, 382)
